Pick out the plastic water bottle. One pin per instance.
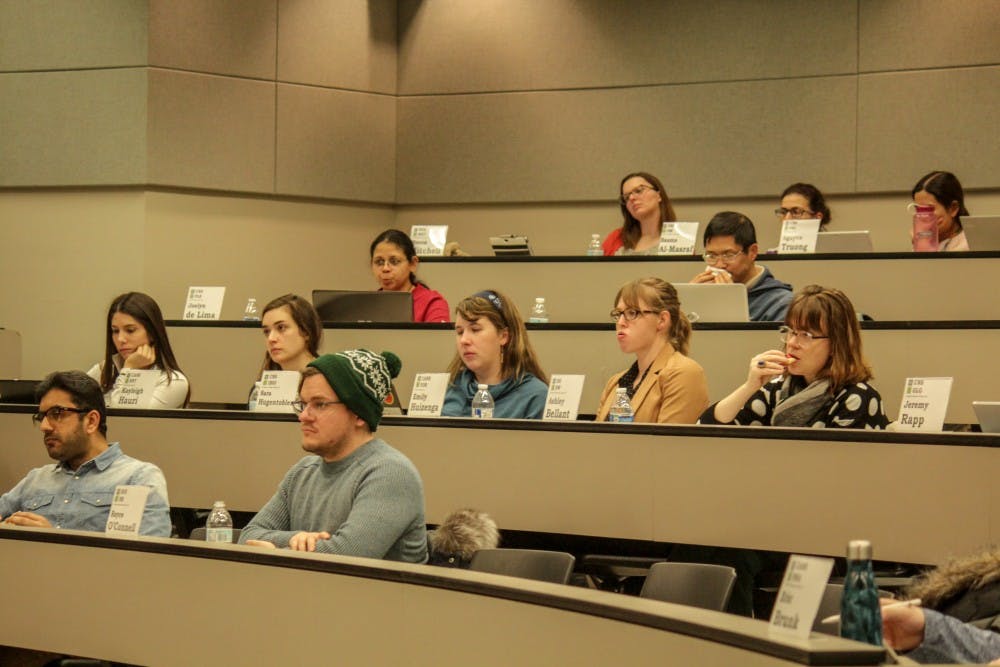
(250, 313)
(539, 314)
(925, 231)
(860, 614)
(595, 249)
(219, 527)
(621, 409)
(482, 403)
(252, 403)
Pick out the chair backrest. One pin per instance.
(693, 584)
(199, 534)
(553, 566)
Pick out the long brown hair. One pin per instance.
(631, 229)
(661, 296)
(146, 312)
(828, 311)
(306, 319)
(518, 356)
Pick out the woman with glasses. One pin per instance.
(137, 338)
(394, 265)
(645, 207)
(818, 379)
(803, 201)
(663, 385)
(493, 349)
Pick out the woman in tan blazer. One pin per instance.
(664, 385)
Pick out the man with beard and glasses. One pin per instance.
(76, 492)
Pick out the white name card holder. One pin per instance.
(925, 402)
(678, 238)
(563, 400)
(799, 596)
(429, 240)
(798, 237)
(133, 387)
(277, 391)
(427, 397)
(204, 303)
(125, 515)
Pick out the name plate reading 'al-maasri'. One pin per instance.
(678, 238)
(204, 303)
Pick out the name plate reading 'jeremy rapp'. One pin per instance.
(204, 303)
(925, 401)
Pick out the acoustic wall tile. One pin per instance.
(708, 140)
(914, 34)
(335, 143)
(346, 44)
(209, 131)
(449, 46)
(910, 123)
(73, 128)
(235, 37)
(64, 34)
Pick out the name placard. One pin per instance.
(800, 594)
(277, 391)
(798, 236)
(204, 303)
(429, 239)
(563, 400)
(127, 506)
(133, 386)
(427, 397)
(925, 402)
(678, 238)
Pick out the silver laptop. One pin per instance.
(856, 241)
(712, 302)
(510, 245)
(355, 306)
(988, 414)
(982, 231)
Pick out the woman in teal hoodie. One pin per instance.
(493, 349)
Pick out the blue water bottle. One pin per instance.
(860, 613)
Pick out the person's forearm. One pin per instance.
(946, 639)
(727, 409)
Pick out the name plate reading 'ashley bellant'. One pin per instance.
(563, 400)
(798, 236)
(427, 398)
(204, 303)
(127, 507)
(925, 402)
(278, 389)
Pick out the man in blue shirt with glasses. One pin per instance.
(76, 492)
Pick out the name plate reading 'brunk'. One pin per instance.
(127, 507)
(925, 402)
(678, 238)
(277, 391)
(798, 599)
(798, 236)
(204, 303)
(427, 398)
(563, 400)
(133, 386)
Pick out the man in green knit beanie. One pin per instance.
(353, 494)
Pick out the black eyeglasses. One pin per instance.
(637, 192)
(631, 314)
(54, 414)
(795, 213)
(316, 407)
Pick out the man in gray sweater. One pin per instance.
(353, 495)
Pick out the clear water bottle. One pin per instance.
(595, 249)
(925, 231)
(621, 409)
(482, 403)
(219, 526)
(252, 403)
(250, 313)
(539, 314)
(860, 614)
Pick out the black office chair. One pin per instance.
(552, 566)
(693, 584)
(199, 534)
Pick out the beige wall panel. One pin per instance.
(704, 140)
(236, 37)
(65, 256)
(455, 46)
(901, 135)
(255, 247)
(73, 128)
(916, 34)
(211, 132)
(338, 44)
(336, 144)
(66, 34)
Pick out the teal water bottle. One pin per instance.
(860, 613)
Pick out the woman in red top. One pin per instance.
(645, 207)
(394, 264)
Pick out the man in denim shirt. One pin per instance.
(76, 492)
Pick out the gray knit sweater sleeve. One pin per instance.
(371, 503)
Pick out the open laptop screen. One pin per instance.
(363, 306)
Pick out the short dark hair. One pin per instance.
(731, 223)
(82, 388)
(946, 188)
(817, 202)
